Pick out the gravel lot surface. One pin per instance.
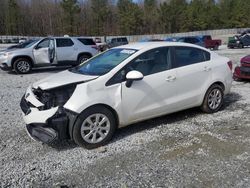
(185, 149)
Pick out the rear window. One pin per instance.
(86, 41)
(64, 42)
(187, 56)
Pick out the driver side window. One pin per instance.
(150, 62)
(44, 44)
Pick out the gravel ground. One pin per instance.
(185, 149)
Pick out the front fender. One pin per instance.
(86, 95)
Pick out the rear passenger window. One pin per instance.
(86, 41)
(64, 42)
(187, 56)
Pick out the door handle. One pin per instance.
(207, 69)
(170, 78)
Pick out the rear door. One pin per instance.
(65, 51)
(193, 68)
(44, 52)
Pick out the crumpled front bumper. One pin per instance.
(43, 125)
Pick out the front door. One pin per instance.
(155, 94)
(44, 52)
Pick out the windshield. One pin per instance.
(28, 43)
(104, 62)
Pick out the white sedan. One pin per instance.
(124, 85)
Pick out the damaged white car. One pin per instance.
(124, 85)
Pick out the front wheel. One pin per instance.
(22, 66)
(213, 99)
(94, 127)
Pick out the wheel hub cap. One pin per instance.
(95, 128)
(214, 99)
(23, 66)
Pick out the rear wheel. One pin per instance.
(94, 127)
(213, 99)
(83, 58)
(241, 45)
(22, 66)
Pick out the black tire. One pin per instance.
(77, 135)
(22, 66)
(241, 45)
(216, 47)
(206, 107)
(83, 58)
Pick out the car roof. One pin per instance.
(150, 45)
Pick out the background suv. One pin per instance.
(54, 51)
(117, 42)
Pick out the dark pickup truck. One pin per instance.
(211, 43)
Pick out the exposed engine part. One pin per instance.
(54, 97)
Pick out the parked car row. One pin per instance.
(12, 40)
(116, 88)
(201, 40)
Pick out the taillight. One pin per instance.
(230, 65)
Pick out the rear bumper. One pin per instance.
(241, 73)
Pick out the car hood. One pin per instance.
(61, 79)
(19, 50)
(246, 59)
(7, 50)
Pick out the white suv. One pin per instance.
(52, 51)
(124, 85)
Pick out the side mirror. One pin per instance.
(133, 76)
(37, 47)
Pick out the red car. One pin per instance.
(242, 71)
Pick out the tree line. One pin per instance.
(119, 17)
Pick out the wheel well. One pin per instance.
(18, 57)
(109, 108)
(220, 84)
(84, 53)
